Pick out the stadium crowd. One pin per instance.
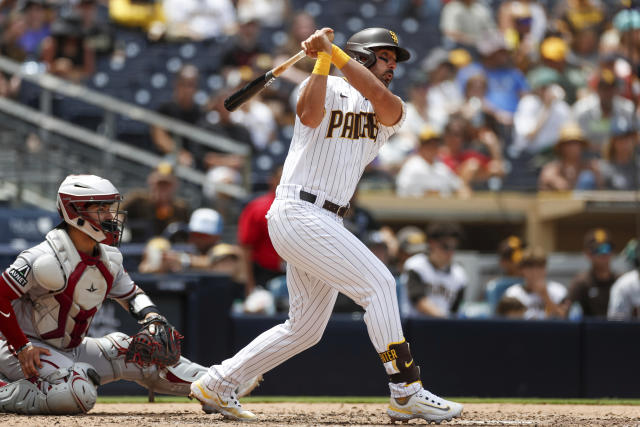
(513, 94)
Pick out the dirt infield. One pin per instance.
(305, 414)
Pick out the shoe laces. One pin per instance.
(430, 397)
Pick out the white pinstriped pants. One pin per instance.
(323, 258)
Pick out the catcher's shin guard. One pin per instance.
(66, 391)
(399, 364)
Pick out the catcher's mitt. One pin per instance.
(157, 343)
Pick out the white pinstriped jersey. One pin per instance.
(330, 158)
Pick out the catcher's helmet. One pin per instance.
(360, 45)
(77, 192)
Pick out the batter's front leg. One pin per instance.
(311, 302)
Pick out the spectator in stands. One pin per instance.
(97, 33)
(511, 308)
(223, 192)
(393, 154)
(596, 113)
(270, 13)
(150, 211)
(263, 127)
(302, 26)
(66, 52)
(459, 153)
(624, 299)
(435, 285)
(553, 55)
(523, 23)
(218, 120)
(543, 298)
(573, 15)
(424, 174)
(411, 241)
(26, 29)
(570, 171)
(510, 255)
(444, 97)
(464, 22)
(262, 261)
(627, 24)
(590, 289)
(199, 19)
(182, 107)
(621, 158)
(541, 114)
(244, 46)
(145, 14)
(505, 83)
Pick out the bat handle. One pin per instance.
(288, 63)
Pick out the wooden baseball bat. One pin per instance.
(256, 86)
(252, 88)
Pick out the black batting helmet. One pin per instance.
(360, 45)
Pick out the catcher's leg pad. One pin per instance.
(66, 391)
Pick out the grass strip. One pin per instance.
(374, 399)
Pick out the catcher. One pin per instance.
(48, 298)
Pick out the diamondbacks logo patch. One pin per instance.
(19, 275)
(394, 37)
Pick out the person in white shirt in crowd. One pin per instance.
(543, 298)
(199, 19)
(434, 283)
(464, 22)
(596, 112)
(395, 152)
(624, 298)
(444, 96)
(424, 174)
(540, 115)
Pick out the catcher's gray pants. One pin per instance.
(106, 356)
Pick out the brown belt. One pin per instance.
(330, 206)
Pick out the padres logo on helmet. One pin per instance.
(360, 46)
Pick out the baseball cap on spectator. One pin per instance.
(412, 240)
(543, 76)
(511, 248)
(460, 57)
(570, 132)
(554, 49)
(162, 172)
(533, 257)
(223, 250)
(217, 179)
(429, 134)
(491, 43)
(436, 57)
(626, 20)
(205, 221)
(598, 242)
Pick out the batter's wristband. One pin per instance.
(338, 57)
(323, 64)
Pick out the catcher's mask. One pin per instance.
(104, 222)
(360, 45)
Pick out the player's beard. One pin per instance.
(386, 77)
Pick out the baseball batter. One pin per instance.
(48, 298)
(340, 127)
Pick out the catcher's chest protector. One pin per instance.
(63, 316)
